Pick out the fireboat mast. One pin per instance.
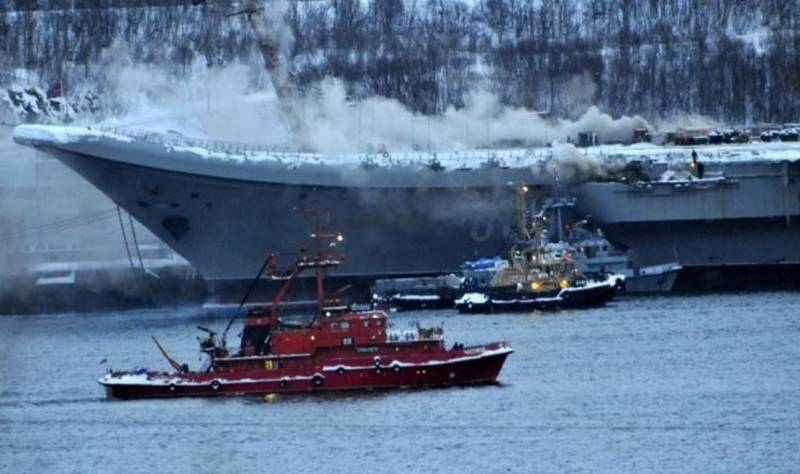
(322, 262)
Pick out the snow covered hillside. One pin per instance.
(734, 60)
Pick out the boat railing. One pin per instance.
(219, 146)
(405, 335)
(374, 158)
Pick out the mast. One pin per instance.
(521, 210)
(523, 236)
(320, 261)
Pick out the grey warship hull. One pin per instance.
(225, 212)
(226, 218)
(738, 227)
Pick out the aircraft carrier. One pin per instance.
(224, 207)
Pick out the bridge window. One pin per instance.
(334, 326)
(347, 341)
(344, 325)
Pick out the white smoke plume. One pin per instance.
(228, 104)
(335, 124)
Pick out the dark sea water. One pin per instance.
(680, 384)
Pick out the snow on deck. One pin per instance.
(57, 134)
(450, 160)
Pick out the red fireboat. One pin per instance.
(339, 349)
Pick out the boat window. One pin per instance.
(347, 341)
(334, 326)
(379, 323)
(344, 325)
(366, 323)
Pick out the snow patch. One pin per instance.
(62, 135)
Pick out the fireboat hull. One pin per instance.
(468, 366)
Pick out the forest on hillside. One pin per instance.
(733, 60)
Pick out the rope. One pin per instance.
(128, 250)
(141, 263)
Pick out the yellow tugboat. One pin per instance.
(541, 275)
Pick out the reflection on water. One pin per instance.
(666, 384)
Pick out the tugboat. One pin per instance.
(339, 349)
(415, 294)
(540, 276)
(595, 255)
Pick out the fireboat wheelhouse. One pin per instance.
(339, 349)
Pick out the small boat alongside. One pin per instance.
(421, 293)
(338, 349)
(541, 275)
(596, 255)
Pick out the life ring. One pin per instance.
(216, 385)
(317, 380)
(283, 383)
(396, 368)
(377, 361)
(340, 371)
